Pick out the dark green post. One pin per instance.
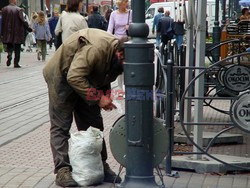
(216, 32)
(25, 3)
(139, 80)
(42, 5)
(87, 6)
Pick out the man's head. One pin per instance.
(95, 8)
(161, 10)
(167, 13)
(56, 14)
(12, 2)
(116, 66)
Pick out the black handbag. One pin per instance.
(58, 40)
(128, 23)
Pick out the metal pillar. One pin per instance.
(87, 6)
(169, 113)
(224, 13)
(216, 32)
(139, 80)
(189, 62)
(200, 62)
(25, 2)
(42, 5)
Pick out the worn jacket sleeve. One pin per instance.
(80, 69)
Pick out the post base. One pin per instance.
(138, 182)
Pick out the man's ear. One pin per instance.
(82, 42)
(120, 54)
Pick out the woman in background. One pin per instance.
(120, 19)
(71, 20)
(118, 25)
(42, 34)
(107, 16)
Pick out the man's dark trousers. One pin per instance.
(17, 49)
(63, 103)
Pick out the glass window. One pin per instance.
(213, 10)
(150, 13)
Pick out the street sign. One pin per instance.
(237, 78)
(240, 112)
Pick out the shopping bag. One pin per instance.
(85, 156)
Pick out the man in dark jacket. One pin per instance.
(155, 25)
(165, 27)
(13, 25)
(96, 20)
(52, 25)
(78, 77)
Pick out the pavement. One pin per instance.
(25, 156)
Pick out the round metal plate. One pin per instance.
(240, 112)
(220, 76)
(237, 78)
(117, 141)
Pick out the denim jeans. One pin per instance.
(179, 41)
(158, 39)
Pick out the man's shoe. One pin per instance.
(109, 175)
(17, 66)
(8, 62)
(64, 178)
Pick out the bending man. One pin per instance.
(89, 59)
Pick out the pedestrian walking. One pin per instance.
(70, 20)
(155, 25)
(42, 34)
(120, 20)
(179, 32)
(13, 25)
(107, 16)
(118, 25)
(165, 28)
(88, 60)
(96, 20)
(27, 43)
(52, 25)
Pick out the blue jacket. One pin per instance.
(42, 32)
(52, 25)
(156, 21)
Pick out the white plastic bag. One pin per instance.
(31, 38)
(84, 154)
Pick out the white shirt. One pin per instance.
(69, 23)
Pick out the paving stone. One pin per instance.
(26, 160)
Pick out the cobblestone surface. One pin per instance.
(25, 156)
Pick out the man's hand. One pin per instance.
(106, 103)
